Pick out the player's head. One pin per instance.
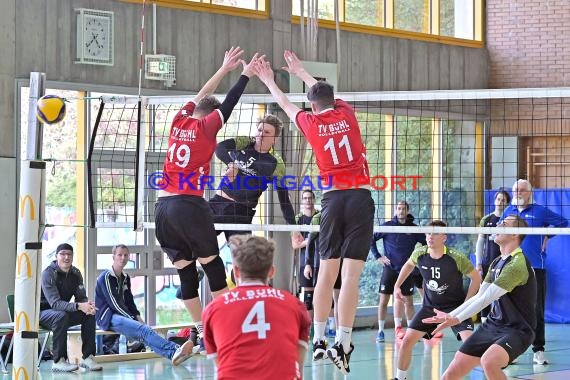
(522, 193)
(121, 255)
(402, 209)
(64, 256)
(252, 257)
(268, 130)
(308, 199)
(321, 96)
(502, 200)
(512, 220)
(436, 239)
(206, 105)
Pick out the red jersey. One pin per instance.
(334, 135)
(191, 145)
(255, 331)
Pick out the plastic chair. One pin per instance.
(46, 333)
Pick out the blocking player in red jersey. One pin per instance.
(347, 206)
(183, 219)
(255, 320)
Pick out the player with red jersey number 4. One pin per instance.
(347, 208)
(254, 330)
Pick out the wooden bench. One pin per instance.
(74, 344)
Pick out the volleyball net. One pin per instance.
(445, 153)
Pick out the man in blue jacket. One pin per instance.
(534, 248)
(397, 250)
(116, 310)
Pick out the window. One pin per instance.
(456, 18)
(245, 8)
(450, 21)
(412, 15)
(364, 12)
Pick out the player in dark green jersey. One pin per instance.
(442, 270)
(510, 289)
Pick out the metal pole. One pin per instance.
(31, 219)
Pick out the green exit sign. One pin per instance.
(159, 67)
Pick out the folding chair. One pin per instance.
(46, 333)
(4, 332)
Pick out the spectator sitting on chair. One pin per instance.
(60, 282)
(116, 310)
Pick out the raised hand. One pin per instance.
(294, 65)
(264, 71)
(232, 58)
(249, 69)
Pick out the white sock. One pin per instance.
(199, 327)
(319, 331)
(401, 375)
(345, 337)
(409, 322)
(381, 325)
(397, 322)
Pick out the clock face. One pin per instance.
(96, 37)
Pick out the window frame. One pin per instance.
(432, 16)
(212, 8)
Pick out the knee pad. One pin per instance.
(216, 273)
(189, 281)
(308, 299)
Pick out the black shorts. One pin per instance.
(303, 281)
(337, 283)
(416, 276)
(184, 227)
(515, 342)
(388, 279)
(426, 312)
(347, 220)
(228, 211)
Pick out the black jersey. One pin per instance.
(516, 308)
(256, 171)
(443, 277)
(491, 250)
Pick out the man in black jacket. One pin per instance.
(60, 282)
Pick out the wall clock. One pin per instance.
(95, 35)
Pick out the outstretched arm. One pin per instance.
(231, 62)
(265, 74)
(295, 67)
(286, 206)
(236, 91)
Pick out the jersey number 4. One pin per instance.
(182, 154)
(343, 143)
(257, 314)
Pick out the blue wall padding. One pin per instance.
(557, 254)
